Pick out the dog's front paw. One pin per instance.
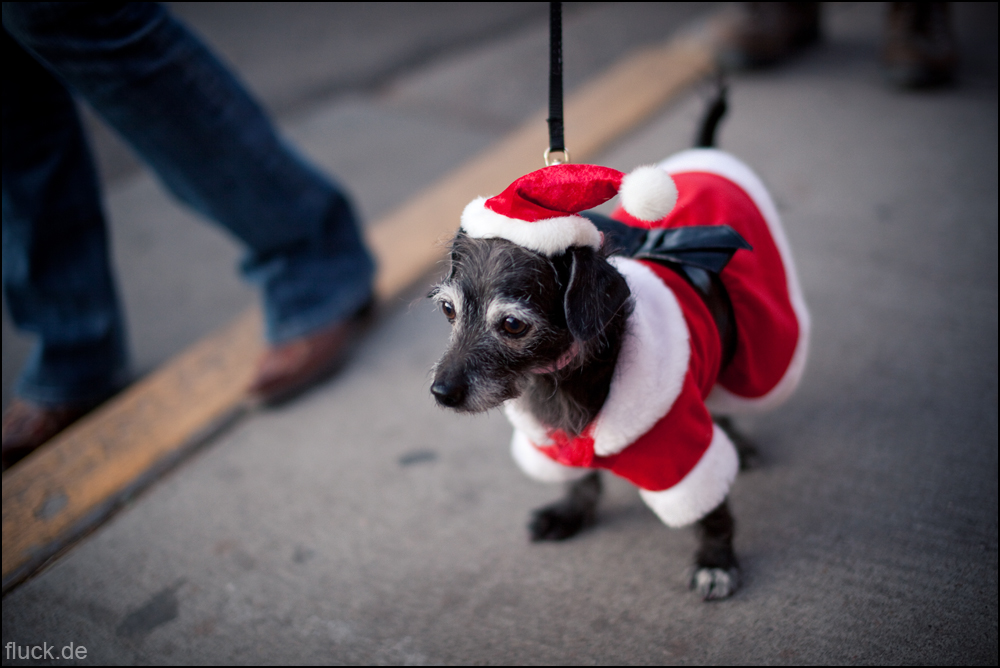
(715, 583)
(558, 521)
(568, 517)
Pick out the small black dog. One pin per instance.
(604, 338)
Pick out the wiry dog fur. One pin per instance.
(550, 330)
(515, 314)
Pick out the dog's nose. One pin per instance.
(448, 392)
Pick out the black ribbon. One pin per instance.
(707, 247)
(697, 253)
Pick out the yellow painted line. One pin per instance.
(68, 486)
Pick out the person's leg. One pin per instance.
(56, 275)
(212, 145)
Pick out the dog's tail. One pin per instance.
(713, 115)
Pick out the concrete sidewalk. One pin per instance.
(363, 525)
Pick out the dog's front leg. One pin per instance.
(717, 573)
(567, 517)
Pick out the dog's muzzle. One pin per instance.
(449, 391)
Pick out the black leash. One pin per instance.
(697, 253)
(557, 144)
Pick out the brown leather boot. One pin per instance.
(919, 49)
(287, 370)
(27, 425)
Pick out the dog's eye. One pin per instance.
(514, 327)
(448, 309)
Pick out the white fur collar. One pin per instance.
(650, 372)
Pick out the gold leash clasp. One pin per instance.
(551, 159)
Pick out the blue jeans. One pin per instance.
(188, 117)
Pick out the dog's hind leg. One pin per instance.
(717, 572)
(745, 449)
(567, 517)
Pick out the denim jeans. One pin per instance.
(195, 125)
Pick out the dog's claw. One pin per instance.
(713, 584)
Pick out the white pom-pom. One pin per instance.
(648, 193)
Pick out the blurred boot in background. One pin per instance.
(919, 49)
(765, 33)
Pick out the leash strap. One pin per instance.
(707, 247)
(557, 143)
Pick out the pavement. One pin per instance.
(361, 524)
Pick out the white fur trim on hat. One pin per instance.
(648, 193)
(702, 489)
(548, 237)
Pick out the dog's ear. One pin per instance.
(595, 292)
(455, 253)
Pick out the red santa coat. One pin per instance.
(655, 428)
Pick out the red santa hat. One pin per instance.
(539, 210)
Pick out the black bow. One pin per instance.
(708, 247)
(697, 253)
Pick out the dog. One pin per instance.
(608, 341)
